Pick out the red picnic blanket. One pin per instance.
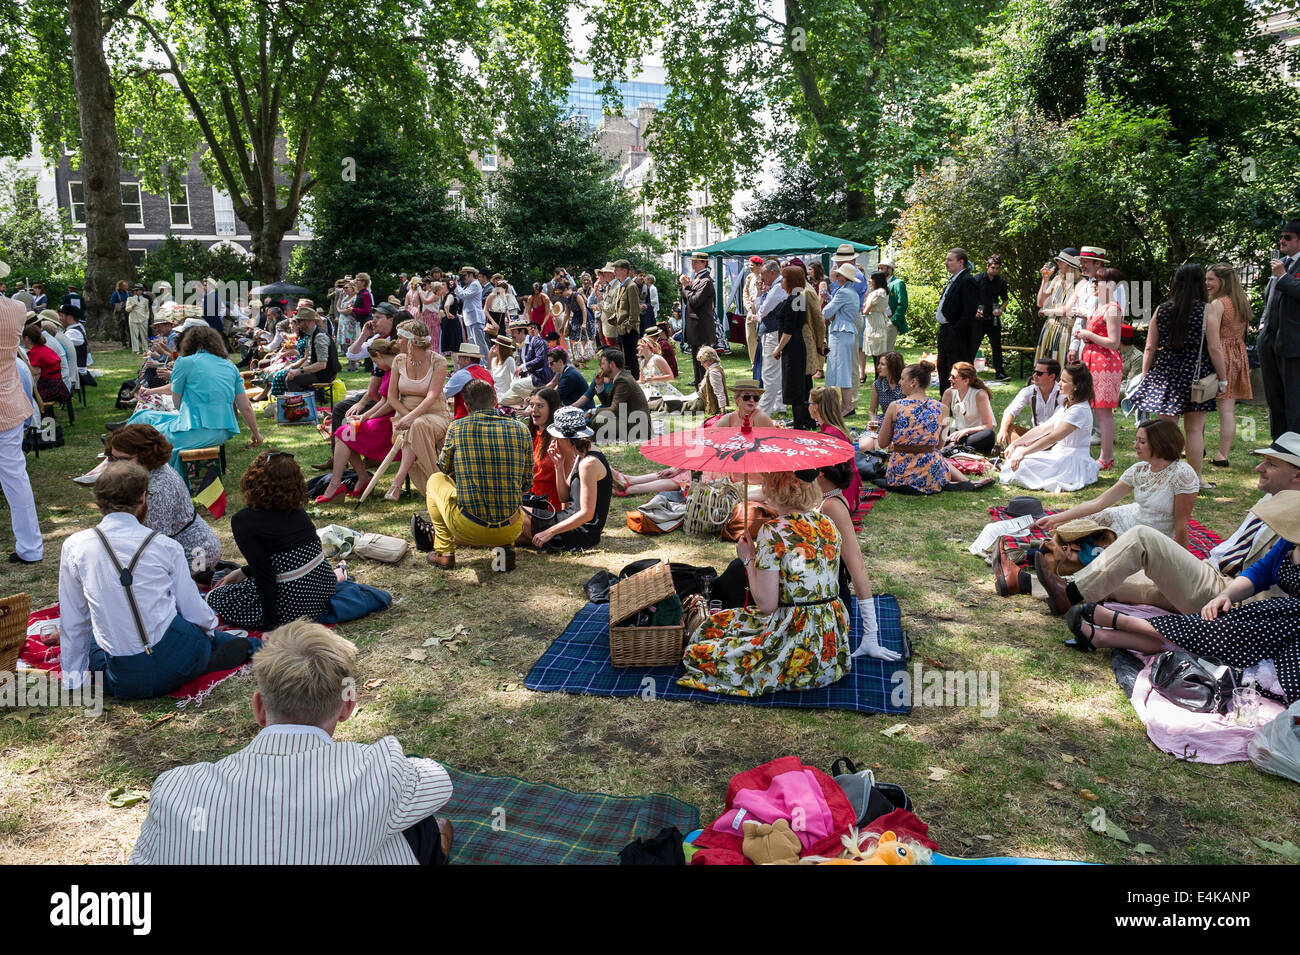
(38, 655)
(1200, 539)
(870, 495)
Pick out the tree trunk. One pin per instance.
(268, 263)
(107, 258)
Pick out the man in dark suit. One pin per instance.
(958, 304)
(1279, 334)
(698, 302)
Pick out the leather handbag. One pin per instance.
(1199, 684)
(1207, 388)
(759, 514)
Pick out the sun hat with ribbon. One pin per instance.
(1286, 448)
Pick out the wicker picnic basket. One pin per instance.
(14, 612)
(708, 505)
(643, 646)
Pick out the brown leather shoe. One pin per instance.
(327, 466)
(1058, 597)
(1006, 568)
(445, 561)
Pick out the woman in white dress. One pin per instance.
(879, 333)
(501, 362)
(1164, 488)
(657, 378)
(1056, 456)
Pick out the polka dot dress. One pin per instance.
(1264, 629)
(1167, 387)
(239, 604)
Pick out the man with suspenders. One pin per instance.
(128, 606)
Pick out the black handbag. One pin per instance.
(870, 464)
(1199, 684)
(541, 515)
(870, 799)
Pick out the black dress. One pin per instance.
(287, 577)
(453, 333)
(794, 361)
(1167, 387)
(588, 534)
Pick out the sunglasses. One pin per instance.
(746, 397)
(1038, 373)
(277, 454)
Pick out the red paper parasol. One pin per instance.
(747, 450)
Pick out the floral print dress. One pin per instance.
(916, 423)
(803, 644)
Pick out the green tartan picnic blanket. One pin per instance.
(501, 820)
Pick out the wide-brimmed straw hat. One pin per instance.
(747, 384)
(846, 271)
(1281, 513)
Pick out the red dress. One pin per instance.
(374, 437)
(1106, 365)
(544, 474)
(540, 314)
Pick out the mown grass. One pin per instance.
(1011, 789)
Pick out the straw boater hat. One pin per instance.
(700, 256)
(520, 323)
(655, 332)
(846, 271)
(845, 253)
(1285, 448)
(747, 384)
(504, 342)
(1093, 254)
(1281, 513)
(468, 268)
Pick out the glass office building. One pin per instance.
(584, 98)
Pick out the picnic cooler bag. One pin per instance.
(298, 407)
(642, 631)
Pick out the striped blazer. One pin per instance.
(292, 799)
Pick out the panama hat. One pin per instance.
(469, 349)
(747, 384)
(886, 263)
(845, 253)
(305, 314)
(1281, 513)
(49, 315)
(846, 271)
(1070, 256)
(1286, 448)
(607, 267)
(468, 268)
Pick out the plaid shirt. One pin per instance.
(491, 460)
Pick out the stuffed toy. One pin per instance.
(872, 848)
(771, 845)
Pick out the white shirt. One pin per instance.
(293, 796)
(1043, 408)
(654, 298)
(770, 300)
(503, 375)
(359, 350)
(77, 336)
(92, 602)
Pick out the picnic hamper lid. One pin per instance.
(633, 594)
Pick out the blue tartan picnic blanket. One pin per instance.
(578, 662)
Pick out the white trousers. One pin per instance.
(17, 489)
(771, 401)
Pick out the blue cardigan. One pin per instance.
(1263, 573)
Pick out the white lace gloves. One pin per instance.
(870, 645)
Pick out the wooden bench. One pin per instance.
(1022, 352)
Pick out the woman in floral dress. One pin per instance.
(910, 432)
(795, 636)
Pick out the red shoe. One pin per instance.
(326, 498)
(1105, 465)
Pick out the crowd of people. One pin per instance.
(480, 396)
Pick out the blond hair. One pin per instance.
(304, 673)
(1230, 288)
(706, 353)
(785, 489)
(417, 333)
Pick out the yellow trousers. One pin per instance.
(451, 526)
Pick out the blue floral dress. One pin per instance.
(803, 644)
(916, 422)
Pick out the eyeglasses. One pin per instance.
(121, 457)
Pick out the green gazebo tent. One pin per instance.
(776, 239)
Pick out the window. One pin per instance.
(138, 255)
(224, 212)
(457, 203)
(132, 210)
(489, 162)
(179, 201)
(77, 195)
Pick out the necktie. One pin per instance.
(1230, 564)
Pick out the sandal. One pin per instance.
(620, 481)
(390, 496)
(1207, 486)
(1104, 464)
(1074, 619)
(1220, 462)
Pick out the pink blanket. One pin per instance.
(1198, 737)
